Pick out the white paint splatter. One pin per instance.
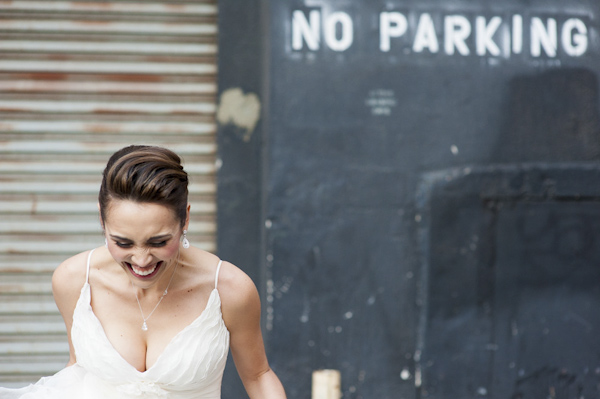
(405, 374)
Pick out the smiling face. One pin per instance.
(144, 239)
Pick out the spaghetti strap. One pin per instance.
(217, 273)
(87, 273)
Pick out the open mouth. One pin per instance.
(144, 272)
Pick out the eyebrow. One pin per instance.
(155, 238)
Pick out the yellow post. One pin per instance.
(326, 384)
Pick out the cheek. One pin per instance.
(171, 249)
(116, 252)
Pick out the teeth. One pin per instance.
(145, 271)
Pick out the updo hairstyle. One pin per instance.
(145, 174)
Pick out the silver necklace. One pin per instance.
(145, 326)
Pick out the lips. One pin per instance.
(144, 272)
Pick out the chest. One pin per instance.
(122, 320)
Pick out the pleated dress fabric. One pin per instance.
(190, 367)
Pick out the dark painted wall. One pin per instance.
(371, 199)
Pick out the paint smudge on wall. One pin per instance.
(239, 109)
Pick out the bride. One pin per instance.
(148, 315)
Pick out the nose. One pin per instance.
(141, 257)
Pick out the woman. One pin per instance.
(148, 315)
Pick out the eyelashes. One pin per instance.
(126, 245)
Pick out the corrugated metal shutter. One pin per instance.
(79, 80)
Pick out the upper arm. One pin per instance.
(67, 280)
(241, 313)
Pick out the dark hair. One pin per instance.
(144, 173)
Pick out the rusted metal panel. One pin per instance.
(79, 80)
(106, 67)
(109, 47)
(106, 87)
(96, 147)
(116, 7)
(51, 346)
(41, 206)
(108, 27)
(134, 128)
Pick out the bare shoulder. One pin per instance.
(238, 293)
(69, 277)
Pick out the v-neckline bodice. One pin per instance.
(190, 366)
(85, 299)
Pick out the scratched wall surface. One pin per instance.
(356, 187)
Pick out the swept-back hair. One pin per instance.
(148, 174)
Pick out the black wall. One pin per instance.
(425, 222)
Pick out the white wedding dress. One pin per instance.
(191, 365)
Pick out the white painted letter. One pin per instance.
(574, 43)
(456, 29)
(301, 28)
(517, 34)
(425, 37)
(542, 36)
(347, 37)
(391, 24)
(485, 34)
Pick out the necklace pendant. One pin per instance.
(144, 326)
